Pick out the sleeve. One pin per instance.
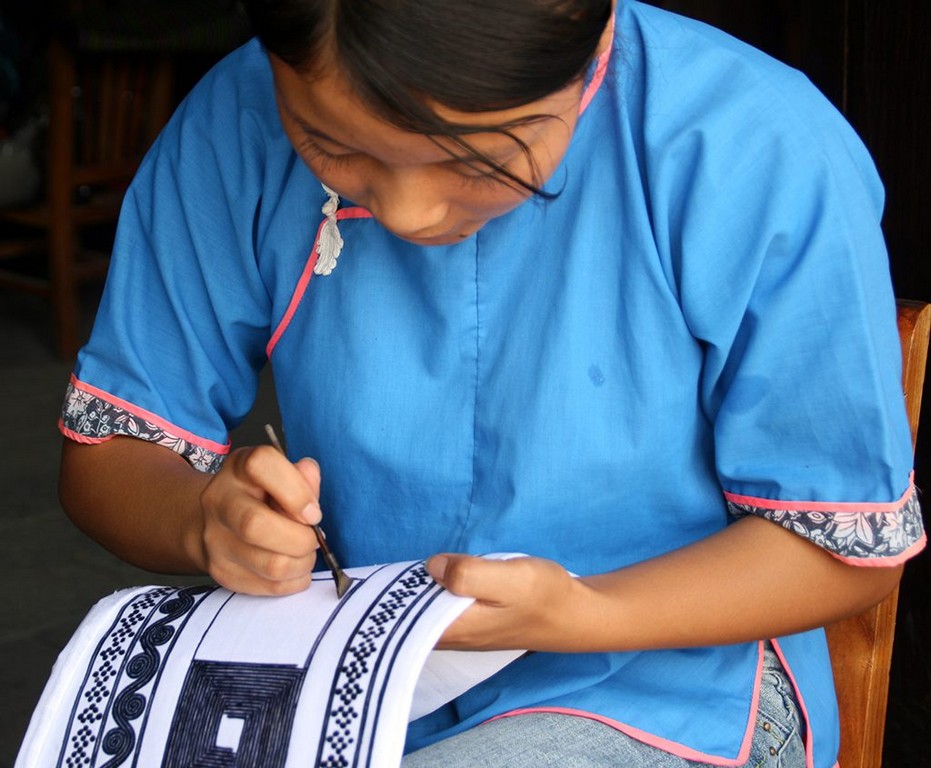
(768, 208)
(178, 342)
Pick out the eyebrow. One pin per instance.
(318, 134)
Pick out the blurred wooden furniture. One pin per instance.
(105, 108)
(861, 646)
(111, 72)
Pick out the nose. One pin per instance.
(411, 203)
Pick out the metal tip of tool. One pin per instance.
(343, 582)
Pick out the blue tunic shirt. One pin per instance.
(699, 326)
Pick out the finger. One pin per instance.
(265, 468)
(497, 582)
(236, 578)
(269, 564)
(310, 469)
(257, 525)
(467, 575)
(277, 567)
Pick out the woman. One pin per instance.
(601, 285)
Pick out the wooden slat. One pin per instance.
(34, 285)
(121, 143)
(861, 646)
(97, 211)
(105, 110)
(914, 330)
(119, 171)
(22, 246)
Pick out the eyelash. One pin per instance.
(482, 180)
(324, 158)
(329, 161)
(476, 178)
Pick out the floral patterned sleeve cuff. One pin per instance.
(90, 415)
(859, 534)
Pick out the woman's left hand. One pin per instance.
(522, 603)
(705, 593)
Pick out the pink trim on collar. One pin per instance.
(600, 68)
(343, 213)
(357, 213)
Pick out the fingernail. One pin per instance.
(436, 566)
(311, 514)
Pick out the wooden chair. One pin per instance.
(104, 111)
(861, 646)
(111, 90)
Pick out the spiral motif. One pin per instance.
(160, 634)
(142, 665)
(117, 742)
(141, 668)
(171, 606)
(131, 706)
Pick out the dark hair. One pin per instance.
(466, 55)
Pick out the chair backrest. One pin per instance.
(861, 646)
(111, 83)
(108, 107)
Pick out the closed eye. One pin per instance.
(324, 159)
(488, 180)
(472, 175)
(477, 174)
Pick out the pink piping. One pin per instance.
(600, 68)
(148, 416)
(673, 747)
(884, 562)
(344, 213)
(79, 438)
(357, 213)
(825, 506)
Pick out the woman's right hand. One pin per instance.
(248, 526)
(257, 512)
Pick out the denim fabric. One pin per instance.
(543, 740)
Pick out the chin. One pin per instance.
(447, 239)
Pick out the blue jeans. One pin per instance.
(549, 740)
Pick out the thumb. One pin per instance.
(436, 566)
(470, 576)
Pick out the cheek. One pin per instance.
(488, 202)
(350, 182)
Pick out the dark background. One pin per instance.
(870, 58)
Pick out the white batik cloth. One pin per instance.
(172, 677)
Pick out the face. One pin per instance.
(425, 190)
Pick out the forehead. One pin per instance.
(324, 105)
